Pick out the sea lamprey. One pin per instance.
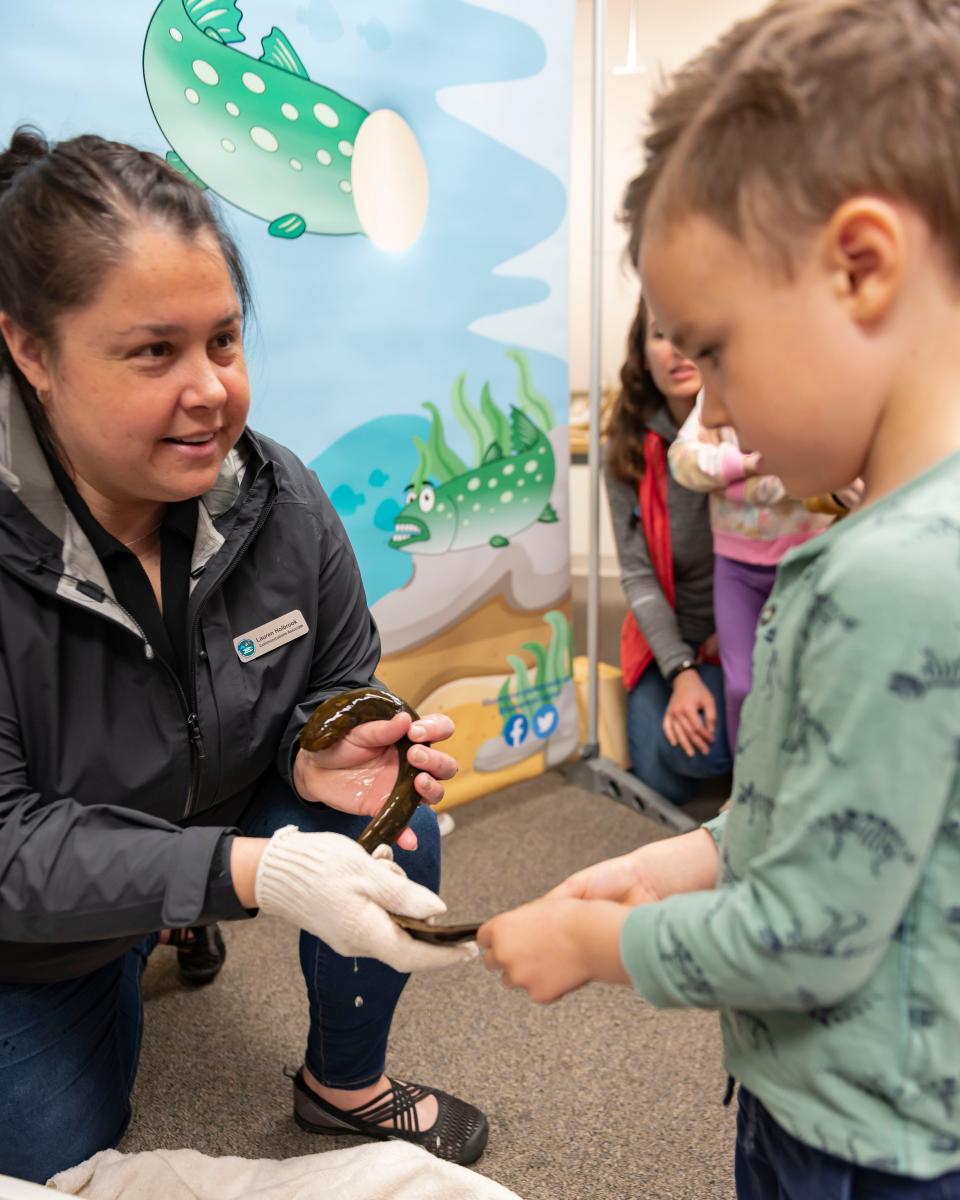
(333, 720)
(330, 723)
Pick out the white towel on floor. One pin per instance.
(393, 1170)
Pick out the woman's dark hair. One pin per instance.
(66, 211)
(638, 401)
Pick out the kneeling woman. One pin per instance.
(150, 769)
(675, 711)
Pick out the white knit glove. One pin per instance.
(328, 885)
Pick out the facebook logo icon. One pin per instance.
(515, 729)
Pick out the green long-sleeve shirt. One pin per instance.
(831, 944)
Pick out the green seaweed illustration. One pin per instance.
(553, 667)
(536, 405)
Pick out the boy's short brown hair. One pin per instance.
(795, 110)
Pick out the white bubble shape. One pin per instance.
(205, 73)
(324, 158)
(176, 34)
(264, 138)
(233, 109)
(326, 115)
(252, 82)
(492, 483)
(289, 111)
(345, 185)
(530, 466)
(391, 186)
(296, 164)
(192, 96)
(345, 148)
(508, 468)
(473, 484)
(506, 497)
(227, 145)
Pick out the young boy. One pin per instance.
(797, 229)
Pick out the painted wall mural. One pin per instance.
(396, 174)
(266, 137)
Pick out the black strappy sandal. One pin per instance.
(200, 953)
(459, 1134)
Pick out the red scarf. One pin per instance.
(635, 652)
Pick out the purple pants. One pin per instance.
(740, 590)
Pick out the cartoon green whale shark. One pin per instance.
(270, 140)
(485, 506)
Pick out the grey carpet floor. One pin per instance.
(599, 1096)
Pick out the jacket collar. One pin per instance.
(24, 473)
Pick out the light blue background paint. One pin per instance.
(347, 335)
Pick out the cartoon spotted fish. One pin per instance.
(270, 140)
(485, 506)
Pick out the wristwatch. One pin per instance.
(687, 664)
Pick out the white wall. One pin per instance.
(669, 34)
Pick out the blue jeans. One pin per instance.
(663, 767)
(69, 1050)
(772, 1165)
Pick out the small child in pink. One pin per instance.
(754, 524)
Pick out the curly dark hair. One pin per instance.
(638, 401)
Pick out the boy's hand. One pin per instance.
(615, 879)
(683, 723)
(554, 946)
(687, 863)
(851, 496)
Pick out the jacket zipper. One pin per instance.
(197, 752)
(94, 592)
(193, 721)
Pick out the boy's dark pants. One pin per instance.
(773, 1165)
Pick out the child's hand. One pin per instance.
(752, 465)
(710, 650)
(851, 496)
(618, 879)
(683, 724)
(554, 946)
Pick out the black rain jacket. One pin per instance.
(116, 782)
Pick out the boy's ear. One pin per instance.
(28, 352)
(864, 250)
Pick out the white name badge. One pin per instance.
(268, 637)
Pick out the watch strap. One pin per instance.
(688, 664)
